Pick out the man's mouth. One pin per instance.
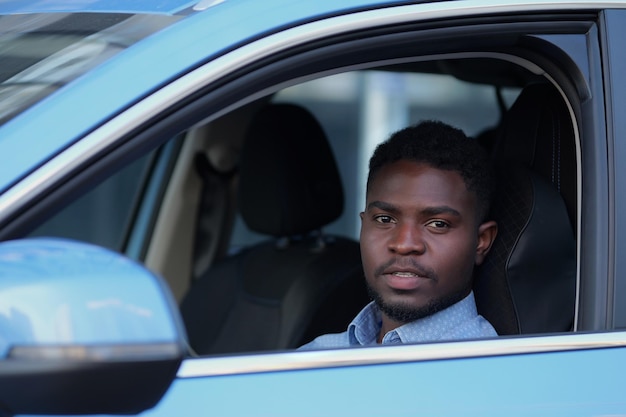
(404, 280)
(405, 274)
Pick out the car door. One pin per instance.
(446, 380)
(568, 46)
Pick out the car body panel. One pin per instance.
(539, 384)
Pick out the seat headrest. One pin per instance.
(538, 132)
(289, 182)
(527, 283)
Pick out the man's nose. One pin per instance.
(407, 239)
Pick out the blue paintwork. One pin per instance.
(55, 291)
(567, 384)
(133, 73)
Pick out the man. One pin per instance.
(423, 230)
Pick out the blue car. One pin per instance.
(180, 190)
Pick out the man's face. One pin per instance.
(420, 239)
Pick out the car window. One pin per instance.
(357, 110)
(104, 214)
(201, 244)
(42, 53)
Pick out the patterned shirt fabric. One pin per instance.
(459, 321)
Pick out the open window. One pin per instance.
(493, 101)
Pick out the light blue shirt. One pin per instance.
(459, 321)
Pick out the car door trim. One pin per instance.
(295, 360)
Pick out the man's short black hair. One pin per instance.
(443, 147)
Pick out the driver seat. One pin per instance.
(527, 283)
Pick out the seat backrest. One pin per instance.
(277, 294)
(527, 283)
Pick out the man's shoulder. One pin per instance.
(475, 328)
(328, 341)
(466, 323)
(459, 321)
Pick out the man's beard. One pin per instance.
(405, 313)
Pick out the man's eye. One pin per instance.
(383, 219)
(438, 224)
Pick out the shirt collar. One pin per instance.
(364, 329)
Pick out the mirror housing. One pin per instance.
(83, 330)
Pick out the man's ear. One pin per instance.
(487, 232)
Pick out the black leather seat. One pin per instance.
(538, 132)
(527, 283)
(299, 283)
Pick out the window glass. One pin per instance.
(41, 53)
(102, 215)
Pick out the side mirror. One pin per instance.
(83, 330)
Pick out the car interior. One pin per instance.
(301, 281)
(271, 292)
(256, 227)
